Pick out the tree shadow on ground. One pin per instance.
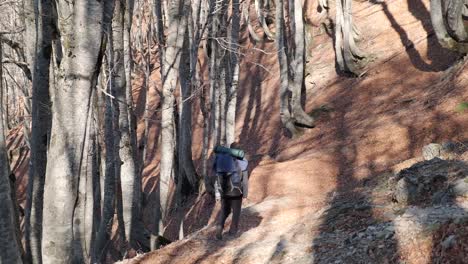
(440, 57)
(204, 247)
(350, 210)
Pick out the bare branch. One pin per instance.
(22, 65)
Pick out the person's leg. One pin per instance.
(225, 211)
(236, 205)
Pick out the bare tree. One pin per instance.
(447, 20)
(40, 129)
(233, 73)
(177, 24)
(110, 174)
(10, 248)
(260, 7)
(126, 170)
(81, 26)
(348, 56)
(291, 74)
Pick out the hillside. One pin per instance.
(309, 193)
(323, 197)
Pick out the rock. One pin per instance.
(404, 191)
(431, 182)
(431, 151)
(446, 151)
(460, 187)
(442, 197)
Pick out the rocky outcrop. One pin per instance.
(437, 180)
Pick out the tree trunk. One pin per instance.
(231, 96)
(186, 167)
(31, 26)
(221, 105)
(259, 6)
(297, 64)
(84, 218)
(444, 34)
(178, 12)
(40, 132)
(348, 56)
(9, 246)
(71, 105)
(129, 7)
(111, 160)
(285, 114)
(128, 172)
(158, 226)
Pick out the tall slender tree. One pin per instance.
(233, 73)
(9, 246)
(81, 26)
(177, 24)
(127, 173)
(41, 121)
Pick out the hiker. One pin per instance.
(231, 186)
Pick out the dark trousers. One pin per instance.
(229, 205)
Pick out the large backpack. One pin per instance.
(229, 176)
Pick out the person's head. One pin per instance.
(235, 145)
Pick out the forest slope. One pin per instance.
(366, 127)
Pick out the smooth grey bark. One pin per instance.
(447, 26)
(126, 158)
(111, 159)
(217, 70)
(128, 61)
(83, 218)
(159, 21)
(296, 69)
(221, 104)
(177, 24)
(455, 21)
(185, 163)
(259, 7)
(348, 55)
(29, 37)
(81, 25)
(9, 247)
(40, 128)
(231, 93)
(285, 114)
(206, 141)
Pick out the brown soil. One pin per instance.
(365, 126)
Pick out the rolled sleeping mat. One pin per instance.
(238, 153)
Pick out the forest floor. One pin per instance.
(326, 196)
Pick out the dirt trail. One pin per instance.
(366, 126)
(301, 188)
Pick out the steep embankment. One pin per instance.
(313, 193)
(310, 193)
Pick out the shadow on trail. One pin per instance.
(350, 210)
(440, 58)
(432, 187)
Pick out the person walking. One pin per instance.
(231, 186)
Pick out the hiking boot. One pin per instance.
(233, 232)
(219, 233)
